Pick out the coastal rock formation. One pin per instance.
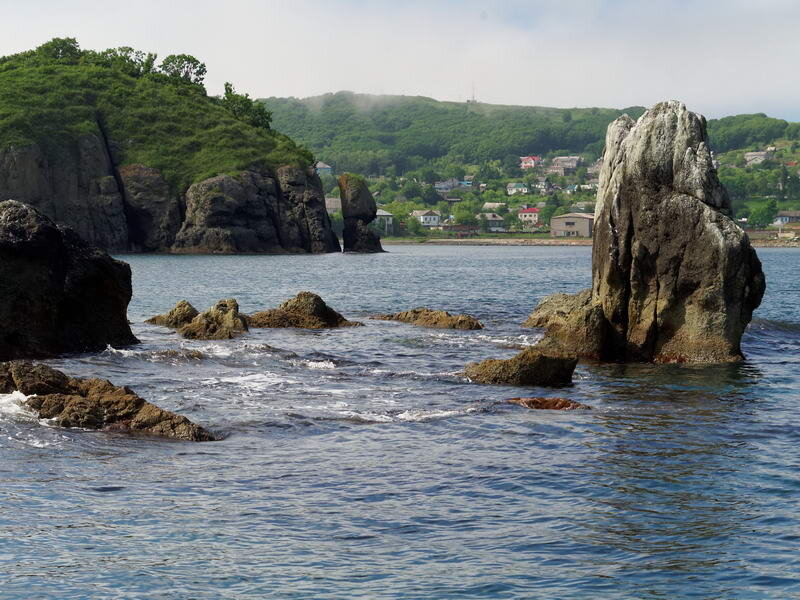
(358, 211)
(181, 314)
(220, 322)
(549, 403)
(75, 188)
(532, 366)
(439, 319)
(57, 293)
(303, 202)
(154, 214)
(306, 311)
(574, 323)
(675, 278)
(93, 403)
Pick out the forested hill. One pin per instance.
(394, 134)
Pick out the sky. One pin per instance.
(720, 57)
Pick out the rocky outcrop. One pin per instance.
(674, 278)
(181, 314)
(532, 366)
(252, 212)
(573, 322)
(306, 311)
(73, 185)
(93, 403)
(439, 319)
(220, 322)
(154, 214)
(57, 293)
(358, 211)
(549, 403)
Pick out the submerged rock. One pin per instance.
(674, 279)
(358, 211)
(532, 366)
(549, 403)
(181, 314)
(57, 293)
(426, 317)
(93, 403)
(306, 310)
(220, 322)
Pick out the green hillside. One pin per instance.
(395, 134)
(154, 113)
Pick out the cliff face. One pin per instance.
(131, 208)
(358, 210)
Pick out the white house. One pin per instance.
(529, 216)
(428, 218)
(494, 222)
(385, 220)
(516, 188)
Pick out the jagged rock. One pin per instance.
(221, 322)
(306, 310)
(532, 366)
(57, 293)
(154, 213)
(93, 403)
(549, 403)
(426, 317)
(573, 323)
(358, 211)
(181, 314)
(77, 188)
(250, 212)
(675, 278)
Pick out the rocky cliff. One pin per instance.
(358, 211)
(674, 279)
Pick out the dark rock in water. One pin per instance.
(221, 322)
(439, 319)
(251, 212)
(93, 403)
(306, 311)
(358, 211)
(77, 189)
(57, 293)
(549, 403)
(532, 366)
(154, 214)
(675, 279)
(181, 314)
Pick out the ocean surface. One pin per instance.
(358, 463)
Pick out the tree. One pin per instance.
(184, 66)
(763, 216)
(244, 109)
(61, 50)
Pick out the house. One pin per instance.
(544, 186)
(564, 165)
(786, 216)
(494, 222)
(333, 205)
(384, 221)
(324, 168)
(529, 216)
(492, 206)
(447, 185)
(428, 218)
(516, 188)
(572, 225)
(529, 162)
(756, 158)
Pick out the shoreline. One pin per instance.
(756, 243)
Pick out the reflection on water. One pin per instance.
(359, 463)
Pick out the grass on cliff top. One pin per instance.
(169, 125)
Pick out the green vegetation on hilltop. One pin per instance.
(392, 135)
(154, 114)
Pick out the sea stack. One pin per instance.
(57, 293)
(358, 211)
(674, 279)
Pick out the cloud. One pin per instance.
(718, 56)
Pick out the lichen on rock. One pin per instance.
(220, 322)
(306, 310)
(438, 319)
(532, 366)
(181, 314)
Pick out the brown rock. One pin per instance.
(549, 403)
(358, 211)
(153, 212)
(573, 323)
(306, 311)
(221, 322)
(181, 314)
(94, 403)
(532, 366)
(426, 317)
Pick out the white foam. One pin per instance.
(320, 364)
(12, 408)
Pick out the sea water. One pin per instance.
(359, 463)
